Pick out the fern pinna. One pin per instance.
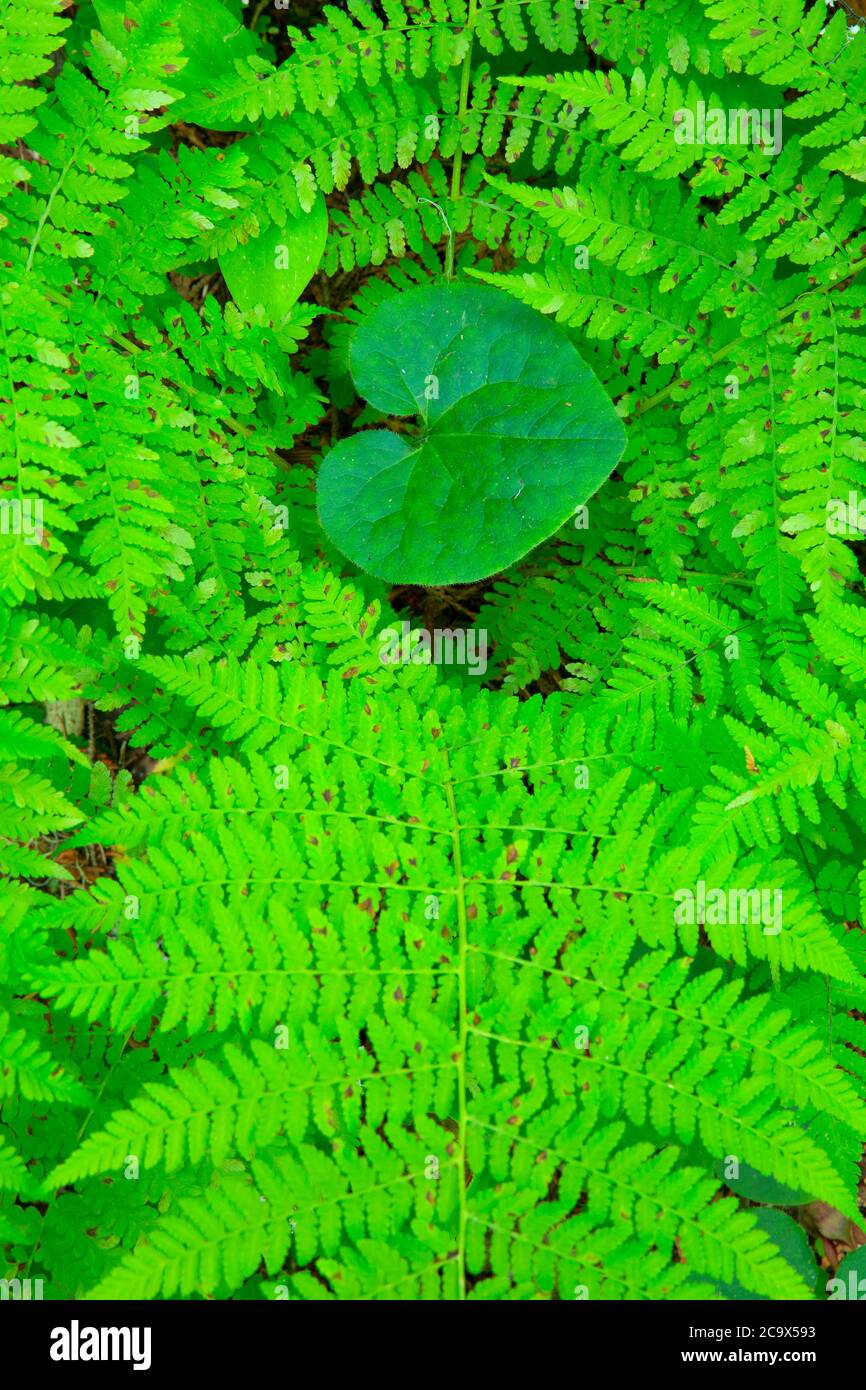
(328, 978)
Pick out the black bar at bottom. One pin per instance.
(87, 1340)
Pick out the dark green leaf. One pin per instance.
(849, 1283)
(515, 433)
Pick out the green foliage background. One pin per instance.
(329, 980)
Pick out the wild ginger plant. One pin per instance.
(334, 967)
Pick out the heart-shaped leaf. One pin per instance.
(273, 268)
(850, 1280)
(515, 433)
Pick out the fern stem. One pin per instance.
(827, 981)
(628, 572)
(257, 14)
(407, 1278)
(462, 956)
(462, 108)
(78, 1138)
